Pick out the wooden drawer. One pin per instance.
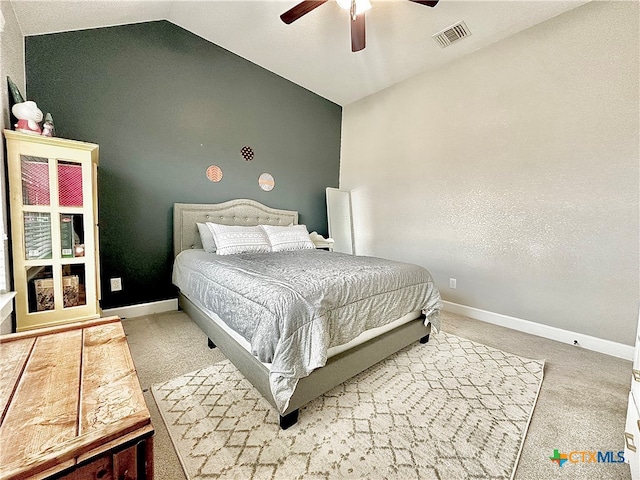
(635, 372)
(632, 438)
(133, 462)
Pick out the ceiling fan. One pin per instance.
(357, 9)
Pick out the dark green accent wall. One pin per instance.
(164, 104)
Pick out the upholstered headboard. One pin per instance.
(234, 212)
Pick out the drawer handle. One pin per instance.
(636, 374)
(628, 438)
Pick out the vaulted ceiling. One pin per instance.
(314, 51)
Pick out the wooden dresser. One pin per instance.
(71, 405)
(632, 427)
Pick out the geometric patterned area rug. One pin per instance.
(449, 409)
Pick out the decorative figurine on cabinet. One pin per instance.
(48, 130)
(29, 116)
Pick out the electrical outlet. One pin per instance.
(452, 283)
(116, 284)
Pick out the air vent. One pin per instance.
(452, 34)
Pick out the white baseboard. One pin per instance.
(142, 309)
(607, 347)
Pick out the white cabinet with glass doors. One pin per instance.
(54, 229)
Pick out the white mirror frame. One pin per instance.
(340, 220)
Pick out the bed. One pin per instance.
(326, 358)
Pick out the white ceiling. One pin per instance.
(315, 51)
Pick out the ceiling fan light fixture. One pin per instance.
(356, 8)
(361, 5)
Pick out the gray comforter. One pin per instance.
(292, 306)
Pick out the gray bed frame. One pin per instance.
(338, 368)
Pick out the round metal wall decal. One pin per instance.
(214, 173)
(266, 182)
(247, 153)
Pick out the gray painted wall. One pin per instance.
(514, 170)
(164, 104)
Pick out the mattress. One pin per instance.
(331, 351)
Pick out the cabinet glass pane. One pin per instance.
(69, 184)
(73, 285)
(71, 235)
(40, 288)
(37, 235)
(35, 180)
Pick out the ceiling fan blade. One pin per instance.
(428, 3)
(299, 10)
(358, 41)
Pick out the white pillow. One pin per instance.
(232, 239)
(206, 237)
(293, 237)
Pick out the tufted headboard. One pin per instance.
(234, 212)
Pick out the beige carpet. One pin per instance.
(450, 409)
